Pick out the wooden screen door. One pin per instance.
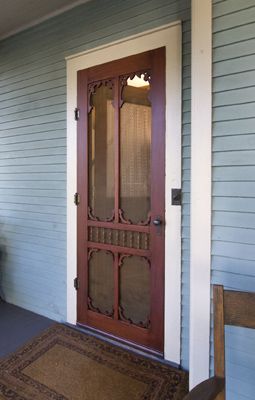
(121, 178)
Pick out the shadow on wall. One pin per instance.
(3, 255)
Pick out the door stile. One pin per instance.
(82, 188)
(158, 193)
(116, 151)
(116, 191)
(116, 286)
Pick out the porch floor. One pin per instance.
(18, 326)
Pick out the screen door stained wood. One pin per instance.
(121, 174)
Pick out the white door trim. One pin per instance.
(201, 180)
(170, 37)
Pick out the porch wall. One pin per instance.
(33, 145)
(233, 250)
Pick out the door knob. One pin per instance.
(157, 222)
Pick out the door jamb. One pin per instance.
(170, 37)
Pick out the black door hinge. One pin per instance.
(76, 114)
(76, 199)
(76, 283)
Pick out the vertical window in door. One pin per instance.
(101, 289)
(135, 290)
(135, 148)
(101, 151)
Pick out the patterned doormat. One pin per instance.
(63, 364)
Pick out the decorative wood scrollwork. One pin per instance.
(123, 219)
(141, 324)
(146, 75)
(97, 310)
(129, 222)
(114, 237)
(146, 222)
(92, 217)
(122, 257)
(147, 260)
(90, 253)
(93, 86)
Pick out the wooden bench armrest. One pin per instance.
(207, 390)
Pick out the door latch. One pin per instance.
(176, 197)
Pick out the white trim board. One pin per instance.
(200, 232)
(170, 37)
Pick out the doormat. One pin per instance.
(63, 364)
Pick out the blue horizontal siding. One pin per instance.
(233, 206)
(33, 144)
(186, 97)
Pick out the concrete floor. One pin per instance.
(18, 326)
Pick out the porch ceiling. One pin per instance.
(17, 15)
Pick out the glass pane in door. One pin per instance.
(135, 290)
(101, 282)
(101, 154)
(135, 150)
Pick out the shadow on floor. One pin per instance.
(18, 326)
